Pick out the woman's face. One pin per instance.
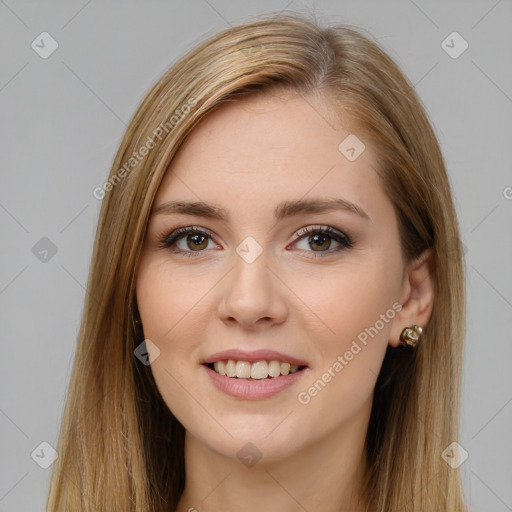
(265, 286)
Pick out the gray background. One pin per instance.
(63, 118)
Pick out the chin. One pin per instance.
(250, 446)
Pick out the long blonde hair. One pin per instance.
(120, 448)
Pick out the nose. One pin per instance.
(252, 296)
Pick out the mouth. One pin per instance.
(258, 370)
(254, 375)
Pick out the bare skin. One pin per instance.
(247, 157)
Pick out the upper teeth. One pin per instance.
(258, 370)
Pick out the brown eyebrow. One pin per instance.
(284, 210)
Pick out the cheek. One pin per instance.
(167, 298)
(346, 303)
(163, 306)
(356, 309)
(172, 307)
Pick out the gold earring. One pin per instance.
(411, 336)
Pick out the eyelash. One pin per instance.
(168, 240)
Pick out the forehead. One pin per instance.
(263, 149)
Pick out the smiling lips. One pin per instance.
(258, 364)
(253, 375)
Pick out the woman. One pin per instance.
(275, 309)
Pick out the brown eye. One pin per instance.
(186, 241)
(320, 240)
(197, 242)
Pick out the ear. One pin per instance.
(417, 296)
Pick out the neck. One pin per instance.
(327, 475)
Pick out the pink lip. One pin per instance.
(253, 356)
(249, 389)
